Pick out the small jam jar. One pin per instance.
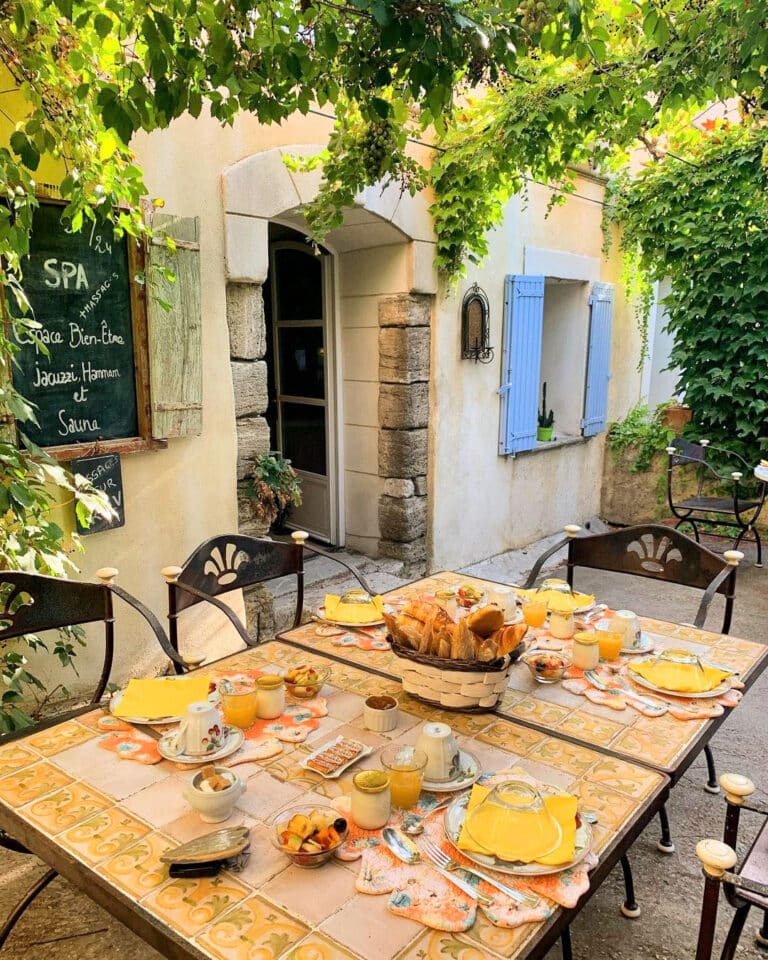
(371, 802)
(270, 697)
(586, 651)
(561, 621)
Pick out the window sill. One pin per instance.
(557, 444)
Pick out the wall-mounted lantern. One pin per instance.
(476, 326)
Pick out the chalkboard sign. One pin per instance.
(105, 474)
(78, 285)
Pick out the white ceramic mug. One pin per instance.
(627, 624)
(200, 733)
(505, 598)
(439, 744)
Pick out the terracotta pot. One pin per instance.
(677, 417)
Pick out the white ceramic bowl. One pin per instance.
(378, 717)
(214, 807)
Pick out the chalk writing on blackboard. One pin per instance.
(78, 285)
(105, 473)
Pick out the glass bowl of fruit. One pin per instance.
(304, 681)
(547, 666)
(309, 834)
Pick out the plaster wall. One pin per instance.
(483, 503)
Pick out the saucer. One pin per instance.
(469, 770)
(234, 742)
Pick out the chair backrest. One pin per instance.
(31, 603)
(232, 561)
(659, 553)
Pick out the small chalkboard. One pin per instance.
(79, 289)
(105, 474)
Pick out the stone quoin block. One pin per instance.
(252, 441)
(245, 319)
(398, 488)
(249, 381)
(420, 486)
(404, 354)
(414, 551)
(402, 453)
(408, 310)
(402, 519)
(403, 406)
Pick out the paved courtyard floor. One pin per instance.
(66, 924)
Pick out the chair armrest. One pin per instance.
(571, 530)
(737, 788)
(149, 617)
(220, 605)
(733, 558)
(355, 573)
(718, 859)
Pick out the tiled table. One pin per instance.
(665, 743)
(103, 822)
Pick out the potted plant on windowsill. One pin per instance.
(546, 420)
(273, 489)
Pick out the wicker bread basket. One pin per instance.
(468, 686)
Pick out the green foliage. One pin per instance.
(644, 432)
(273, 486)
(546, 420)
(703, 227)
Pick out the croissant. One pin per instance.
(508, 638)
(484, 621)
(420, 609)
(486, 649)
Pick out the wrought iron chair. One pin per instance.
(659, 553)
(32, 603)
(737, 511)
(232, 561)
(744, 887)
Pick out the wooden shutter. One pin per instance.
(521, 362)
(175, 334)
(598, 359)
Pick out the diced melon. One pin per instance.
(292, 842)
(300, 825)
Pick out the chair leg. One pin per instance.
(759, 545)
(17, 912)
(761, 936)
(630, 907)
(665, 844)
(711, 786)
(734, 932)
(565, 944)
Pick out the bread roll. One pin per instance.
(508, 638)
(486, 649)
(486, 620)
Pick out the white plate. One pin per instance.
(470, 770)
(718, 691)
(454, 818)
(234, 742)
(576, 612)
(116, 697)
(320, 612)
(339, 770)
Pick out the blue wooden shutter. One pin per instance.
(598, 359)
(521, 362)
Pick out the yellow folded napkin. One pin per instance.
(162, 697)
(680, 677)
(565, 602)
(509, 834)
(337, 609)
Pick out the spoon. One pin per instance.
(406, 850)
(412, 824)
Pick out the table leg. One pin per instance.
(665, 844)
(630, 907)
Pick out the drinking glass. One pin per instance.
(534, 612)
(239, 702)
(610, 643)
(511, 811)
(405, 766)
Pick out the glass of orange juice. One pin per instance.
(610, 643)
(405, 766)
(534, 612)
(239, 701)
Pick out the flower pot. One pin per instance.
(676, 417)
(544, 433)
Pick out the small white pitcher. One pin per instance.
(439, 744)
(200, 733)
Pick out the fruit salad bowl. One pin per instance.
(309, 834)
(304, 682)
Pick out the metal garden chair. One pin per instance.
(746, 886)
(735, 511)
(233, 561)
(31, 603)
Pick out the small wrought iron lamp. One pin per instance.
(475, 326)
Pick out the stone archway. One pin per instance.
(392, 233)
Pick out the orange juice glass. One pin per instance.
(534, 613)
(239, 702)
(405, 766)
(610, 644)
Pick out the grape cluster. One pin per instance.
(376, 149)
(534, 15)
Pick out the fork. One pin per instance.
(440, 859)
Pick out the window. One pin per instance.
(558, 332)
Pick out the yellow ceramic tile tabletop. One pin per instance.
(272, 910)
(663, 743)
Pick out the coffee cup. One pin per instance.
(437, 741)
(380, 713)
(627, 624)
(200, 733)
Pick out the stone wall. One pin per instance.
(404, 352)
(247, 347)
